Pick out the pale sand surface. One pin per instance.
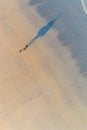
(38, 86)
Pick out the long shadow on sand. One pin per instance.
(42, 32)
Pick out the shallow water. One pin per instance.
(72, 28)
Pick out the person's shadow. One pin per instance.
(42, 32)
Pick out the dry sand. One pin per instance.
(36, 87)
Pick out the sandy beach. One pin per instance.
(39, 87)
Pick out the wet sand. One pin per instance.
(37, 90)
